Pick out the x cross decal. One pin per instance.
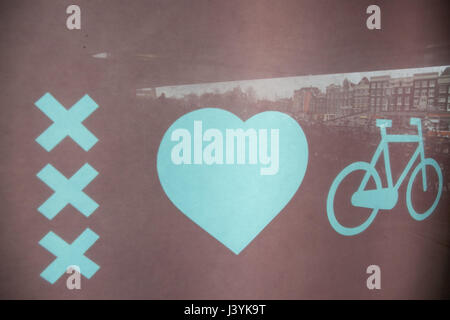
(67, 190)
(69, 254)
(66, 122)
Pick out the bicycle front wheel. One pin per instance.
(357, 166)
(426, 164)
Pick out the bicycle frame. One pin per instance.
(384, 148)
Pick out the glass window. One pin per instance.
(442, 89)
(417, 84)
(400, 90)
(431, 93)
(423, 92)
(399, 100)
(432, 83)
(424, 84)
(408, 90)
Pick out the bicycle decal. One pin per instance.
(385, 198)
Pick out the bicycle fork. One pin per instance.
(422, 153)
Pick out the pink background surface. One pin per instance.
(147, 249)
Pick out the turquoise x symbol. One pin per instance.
(69, 255)
(66, 122)
(67, 190)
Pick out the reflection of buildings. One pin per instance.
(321, 102)
(443, 94)
(333, 98)
(378, 93)
(340, 99)
(361, 95)
(423, 92)
(347, 97)
(399, 94)
(309, 101)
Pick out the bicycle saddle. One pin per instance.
(384, 123)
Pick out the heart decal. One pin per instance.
(229, 176)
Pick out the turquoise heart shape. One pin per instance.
(232, 202)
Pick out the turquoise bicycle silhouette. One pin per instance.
(385, 198)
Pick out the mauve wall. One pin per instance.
(147, 248)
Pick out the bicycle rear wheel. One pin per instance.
(350, 231)
(433, 165)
